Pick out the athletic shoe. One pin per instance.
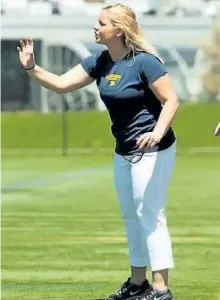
(129, 291)
(156, 295)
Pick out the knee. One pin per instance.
(128, 213)
(152, 220)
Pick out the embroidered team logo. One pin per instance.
(113, 78)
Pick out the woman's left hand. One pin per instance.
(148, 140)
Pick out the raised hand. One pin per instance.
(26, 53)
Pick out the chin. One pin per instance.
(98, 41)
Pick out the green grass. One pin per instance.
(64, 238)
(194, 127)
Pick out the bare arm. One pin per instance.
(165, 92)
(74, 79)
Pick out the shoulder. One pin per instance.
(151, 67)
(104, 54)
(97, 56)
(145, 57)
(92, 64)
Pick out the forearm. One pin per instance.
(166, 117)
(45, 78)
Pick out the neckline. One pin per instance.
(127, 55)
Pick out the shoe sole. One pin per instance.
(135, 297)
(130, 298)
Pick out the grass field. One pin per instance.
(63, 238)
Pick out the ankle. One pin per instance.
(137, 281)
(160, 287)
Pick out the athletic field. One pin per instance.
(63, 238)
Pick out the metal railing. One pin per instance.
(58, 57)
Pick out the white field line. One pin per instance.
(38, 182)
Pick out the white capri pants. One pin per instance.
(142, 192)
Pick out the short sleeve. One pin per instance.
(92, 64)
(151, 68)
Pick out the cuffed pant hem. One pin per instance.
(139, 263)
(158, 267)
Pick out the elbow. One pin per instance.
(63, 88)
(174, 102)
(177, 104)
(59, 88)
(59, 91)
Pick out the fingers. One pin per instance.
(25, 43)
(30, 40)
(140, 139)
(22, 44)
(143, 140)
(147, 141)
(151, 143)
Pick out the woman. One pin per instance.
(142, 103)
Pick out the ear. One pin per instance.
(120, 33)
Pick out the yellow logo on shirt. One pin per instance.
(113, 78)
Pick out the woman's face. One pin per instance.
(105, 32)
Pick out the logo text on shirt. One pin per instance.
(113, 78)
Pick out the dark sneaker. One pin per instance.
(129, 291)
(156, 295)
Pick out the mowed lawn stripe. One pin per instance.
(67, 240)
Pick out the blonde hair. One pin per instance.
(124, 18)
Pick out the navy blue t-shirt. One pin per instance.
(132, 106)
